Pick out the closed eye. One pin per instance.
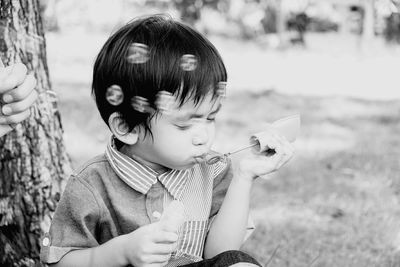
(182, 127)
(211, 119)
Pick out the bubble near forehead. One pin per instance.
(138, 53)
(188, 62)
(140, 104)
(164, 101)
(221, 89)
(114, 95)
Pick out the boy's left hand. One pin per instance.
(262, 163)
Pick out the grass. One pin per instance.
(336, 203)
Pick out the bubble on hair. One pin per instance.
(138, 53)
(114, 95)
(221, 89)
(164, 101)
(141, 104)
(188, 62)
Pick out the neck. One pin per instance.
(154, 166)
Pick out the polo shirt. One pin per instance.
(113, 195)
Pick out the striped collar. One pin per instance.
(141, 177)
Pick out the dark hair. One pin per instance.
(167, 40)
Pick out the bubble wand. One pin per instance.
(289, 127)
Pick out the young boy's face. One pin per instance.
(181, 137)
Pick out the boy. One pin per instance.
(158, 85)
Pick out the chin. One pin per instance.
(185, 166)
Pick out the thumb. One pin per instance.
(12, 76)
(4, 129)
(4, 72)
(173, 216)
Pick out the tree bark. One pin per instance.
(33, 160)
(368, 31)
(280, 23)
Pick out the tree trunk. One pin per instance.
(368, 31)
(33, 159)
(280, 22)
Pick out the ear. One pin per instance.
(120, 129)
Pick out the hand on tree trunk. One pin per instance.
(17, 95)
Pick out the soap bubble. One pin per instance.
(138, 53)
(221, 89)
(140, 104)
(114, 95)
(188, 62)
(164, 101)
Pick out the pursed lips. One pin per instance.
(200, 158)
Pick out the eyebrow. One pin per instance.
(196, 115)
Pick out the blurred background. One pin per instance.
(335, 62)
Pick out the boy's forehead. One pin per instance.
(208, 104)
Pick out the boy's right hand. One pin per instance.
(152, 244)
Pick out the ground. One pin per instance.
(337, 202)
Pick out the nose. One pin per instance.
(201, 137)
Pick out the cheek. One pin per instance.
(171, 138)
(212, 132)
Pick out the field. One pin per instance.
(335, 204)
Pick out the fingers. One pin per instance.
(158, 258)
(19, 94)
(22, 91)
(165, 237)
(287, 153)
(284, 152)
(16, 112)
(164, 249)
(157, 254)
(12, 76)
(14, 119)
(18, 107)
(278, 152)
